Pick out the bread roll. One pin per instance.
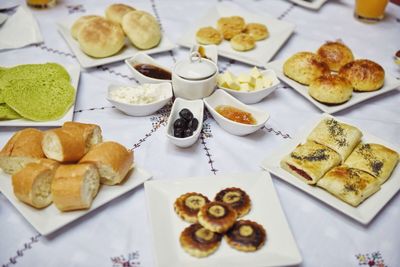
(100, 38)
(303, 67)
(208, 35)
(91, 133)
(142, 29)
(116, 12)
(112, 160)
(25, 146)
(32, 184)
(331, 89)
(230, 26)
(335, 54)
(75, 186)
(76, 27)
(243, 42)
(364, 75)
(64, 144)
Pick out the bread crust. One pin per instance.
(364, 75)
(91, 132)
(335, 54)
(330, 89)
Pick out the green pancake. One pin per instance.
(7, 113)
(39, 99)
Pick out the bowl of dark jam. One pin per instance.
(146, 70)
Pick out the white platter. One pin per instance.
(279, 249)
(126, 52)
(367, 210)
(74, 72)
(311, 4)
(279, 32)
(391, 83)
(50, 219)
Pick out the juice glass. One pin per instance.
(370, 10)
(41, 3)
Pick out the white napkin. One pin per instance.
(20, 29)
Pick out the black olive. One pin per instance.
(178, 132)
(188, 132)
(193, 124)
(186, 114)
(180, 123)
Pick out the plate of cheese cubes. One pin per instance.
(250, 87)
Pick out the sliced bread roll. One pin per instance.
(32, 184)
(91, 132)
(112, 160)
(24, 147)
(74, 186)
(64, 144)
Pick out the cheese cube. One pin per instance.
(267, 82)
(255, 73)
(245, 78)
(259, 84)
(245, 87)
(221, 81)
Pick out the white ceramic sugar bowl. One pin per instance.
(194, 78)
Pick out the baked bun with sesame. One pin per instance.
(330, 89)
(335, 54)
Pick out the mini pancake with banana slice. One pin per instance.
(236, 198)
(217, 216)
(187, 206)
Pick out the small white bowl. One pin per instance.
(165, 91)
(256, 95)
(197, 108)
(220, 97)
(211, 51)
(142, 58)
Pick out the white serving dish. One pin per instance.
(164, 89)
(74, 72)
(279, 31)
(50, 219)
(391, 83)
(367, 210)
(256, 95)
(220, 97)
(280, 248)
(197, 108)
(142, 58)
(211, 51)
(311, 4)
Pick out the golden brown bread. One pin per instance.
(335, 54)
(78, 24)
(208, 35)
(230, 26)
(116, 12)
(330, 89)
(257, 30)
(91, 132)
(243, 42)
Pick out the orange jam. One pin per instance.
(235, 114)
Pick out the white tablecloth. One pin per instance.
(119, 232)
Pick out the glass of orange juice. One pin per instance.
(41, 3)
(370, 10)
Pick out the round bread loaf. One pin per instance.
(116, 12)
(99, 38)
(330, 89)
(142, 29)
(243, 42)
(364, 75)
(303, 67)
(335, 54)
(208, 35)
(79, 23)
(257, 30)
(230, 26)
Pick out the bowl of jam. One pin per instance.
(146, 70)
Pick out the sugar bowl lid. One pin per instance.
(196, 68)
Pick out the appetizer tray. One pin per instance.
(391, 83)
(367, 210)
(279, 32)
(50, 219)
(126, 52)
(311, 4)
(280, 247)
(74, 72)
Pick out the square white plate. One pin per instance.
(279, 32)
(279, 249)
(50, 219)
(367, 210)
(126, 52)
(391, 83)
(74, 72)
(311, 4)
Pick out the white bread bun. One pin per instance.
(91, 132)
(116, 12)
(112, 160)
(24, 146)
(100, 38)
(75, 186)
(64, 144)
(32, 184)
(142, 29)
(76, 27)
(330, 89)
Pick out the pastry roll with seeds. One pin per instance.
(187, 206)
(217, 216)
(236, 198)
(246, 236)
(199, 241)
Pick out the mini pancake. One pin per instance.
(230, 26)
(257, 30)
(243, 42)
(199, 241)
(217, 216)
(246, 236)
(236, 198)
(187, 206)
(208, 35)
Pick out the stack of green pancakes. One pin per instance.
(37, 92)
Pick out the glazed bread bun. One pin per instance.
(230, 26)
(330, 89)
(76, 27)
(364, 75)
(32, 184)
(142, 29)
(208, 35)
(257, 30)
(243, 42)
(112, 160)
(100, 38)
(303, 67)
(91, 133)
(24, 146)
(335, 54)
(116, 12)
(74, 186)
(64, 144)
